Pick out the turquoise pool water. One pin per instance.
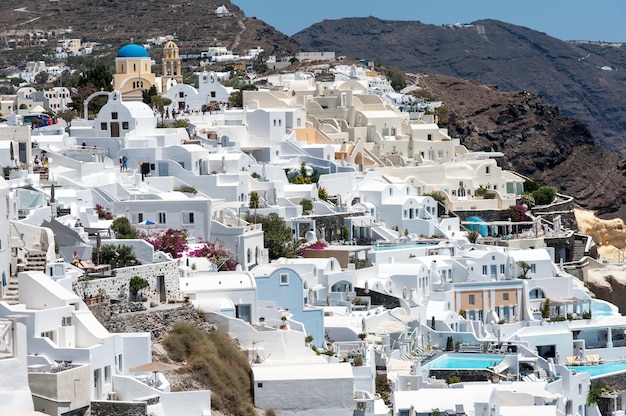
(601, 369)
(464, 361)
(602, 308)
(403, 246)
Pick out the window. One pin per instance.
(181, 94)
(124, 125)
(487, 170)
(259, 385)
(212, 94)
(533, 268)
(536, 294)
(162, 218)
(48, 334)
(485, 270)
(502, 269)
(107, 374)
(114, 115)
(430, 137)
(472, 299)
(188, 218)
(136, 217)
(103, 126)
(505, 296)
(284, 279)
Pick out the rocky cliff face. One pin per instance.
(609, 283)
(535, 139)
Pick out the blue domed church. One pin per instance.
(133, 72)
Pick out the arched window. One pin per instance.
(536, 294)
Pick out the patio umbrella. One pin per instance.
(11, 151)
(52, 193)
(154, 367)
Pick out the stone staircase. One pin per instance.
(43, 173)
(35, 261)
(11, 292)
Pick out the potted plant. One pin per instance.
(136, 284)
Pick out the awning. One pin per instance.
(63, 235)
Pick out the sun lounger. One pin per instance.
(574, 360)
(594, 359)
(89, 266)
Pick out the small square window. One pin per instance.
(162, 218)
(125, 125)
(212, 94)
(259, 385)
(103, 126)
(114, 115)
(284, 279)
(505, 296)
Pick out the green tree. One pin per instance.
(530, 185)
(159, 102)
(544, 195)
(525, 269)
(67, 115)
(307, 205)
(16, 81)
(259, 63)
(41, 78)
(396, 78)
(137, 284)
(123, 229)
(100, 78)
(115, 255)
(276, 235)
(322, 193)
(148, 94)
(236, 97)
(254, 200)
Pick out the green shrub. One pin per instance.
(544, 195)
(454, 380)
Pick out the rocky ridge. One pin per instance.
(535, 139)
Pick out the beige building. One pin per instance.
(133, 72)
(171, 67)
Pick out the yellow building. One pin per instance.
(171, 67)
(133, 72)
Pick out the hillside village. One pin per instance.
(408, 265)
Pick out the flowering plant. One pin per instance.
(103, 213)
(517, 212)
(171, 241)
(217, 254)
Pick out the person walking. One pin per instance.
(124, 163)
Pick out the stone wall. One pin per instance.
(115, 318)
(116, 287)
(111, 408)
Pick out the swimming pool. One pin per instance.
(603, 308)
(601, 369)
(403, 246)
(464, 361)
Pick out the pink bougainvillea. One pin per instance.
(171, 241)
(217, 254)
(517, 212)
(103, 213)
